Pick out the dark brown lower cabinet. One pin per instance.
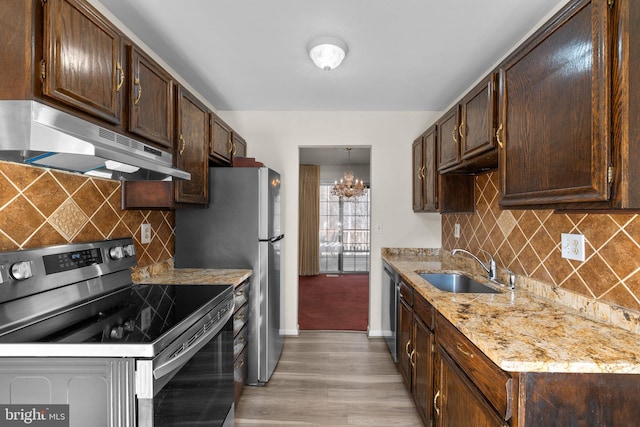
(454, 384)
(240, 335)
(573, 399)
(416, 349)
(422, 389)
(457, 401)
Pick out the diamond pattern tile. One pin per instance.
(41, 207)
(528, 242)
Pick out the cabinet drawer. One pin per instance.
(406, 293)
(241, 294)
(495, 384)
(240, 341)
(240, 318)
(424, 311)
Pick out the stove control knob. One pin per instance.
(129, 250)
(21, 270)
(116, 252)
(117, 332)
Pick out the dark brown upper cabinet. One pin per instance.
(555, 112)
(425, 174)
(433, 192)
(192, 149)
(478, 125)
(151, 99)
(448, 140)
(467, 133)
(82, 60)
(239, 146)
(225, 142)
(221, 146)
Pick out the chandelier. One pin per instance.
(348, 185)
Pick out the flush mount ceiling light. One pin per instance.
(327, 52)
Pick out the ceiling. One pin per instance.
(403, 55)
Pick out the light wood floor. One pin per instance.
(330, 378)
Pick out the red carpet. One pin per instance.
(333, 303)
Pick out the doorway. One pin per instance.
(335, 295)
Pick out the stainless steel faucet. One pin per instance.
(490, 267)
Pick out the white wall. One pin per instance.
(274, 138)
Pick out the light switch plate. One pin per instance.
(573, 246)
(145, 233)
(456, 231)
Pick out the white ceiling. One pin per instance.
(404, 55)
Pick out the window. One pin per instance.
(344, 232)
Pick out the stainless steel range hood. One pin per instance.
(34, 133)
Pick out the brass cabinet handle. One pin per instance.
(406, 348)
(423, 170)
(183, 145)
(121, 78)
(136, 82)
(500, 143)
(461, 130)
(239, 316)
(239, 364)
(412, 358)
(239, 293)
(461, 350)
(233, 149)
(435, 403)
(230, 145)
(454, 134)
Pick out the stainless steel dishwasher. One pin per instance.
(390, 288)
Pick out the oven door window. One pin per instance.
(201, 392)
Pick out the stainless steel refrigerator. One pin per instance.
(241, 229)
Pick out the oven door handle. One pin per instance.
(176, 362)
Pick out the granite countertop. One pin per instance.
(166, 274)
(518, 330)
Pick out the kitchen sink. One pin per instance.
(457, 283)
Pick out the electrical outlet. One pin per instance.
(456, 231)
(145, 319)
(145, 233)
(573, 246)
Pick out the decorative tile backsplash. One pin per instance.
(528, 243)
(41, 207)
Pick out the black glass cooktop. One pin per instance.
(137, 314)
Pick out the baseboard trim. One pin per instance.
(374, 333)
(291, 332)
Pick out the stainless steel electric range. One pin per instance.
(81, 341)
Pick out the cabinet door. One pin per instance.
(191, 149)
(555, 116)
(221, 140)
(478, 120)
(418, 175)
(431, 177)
(405, 327)
(423, 369)
(426, 179)
(151, 102)
(82, 53)
(457, 402)
(239, 146)
(448, 140)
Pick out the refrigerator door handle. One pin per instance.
(273, 239)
